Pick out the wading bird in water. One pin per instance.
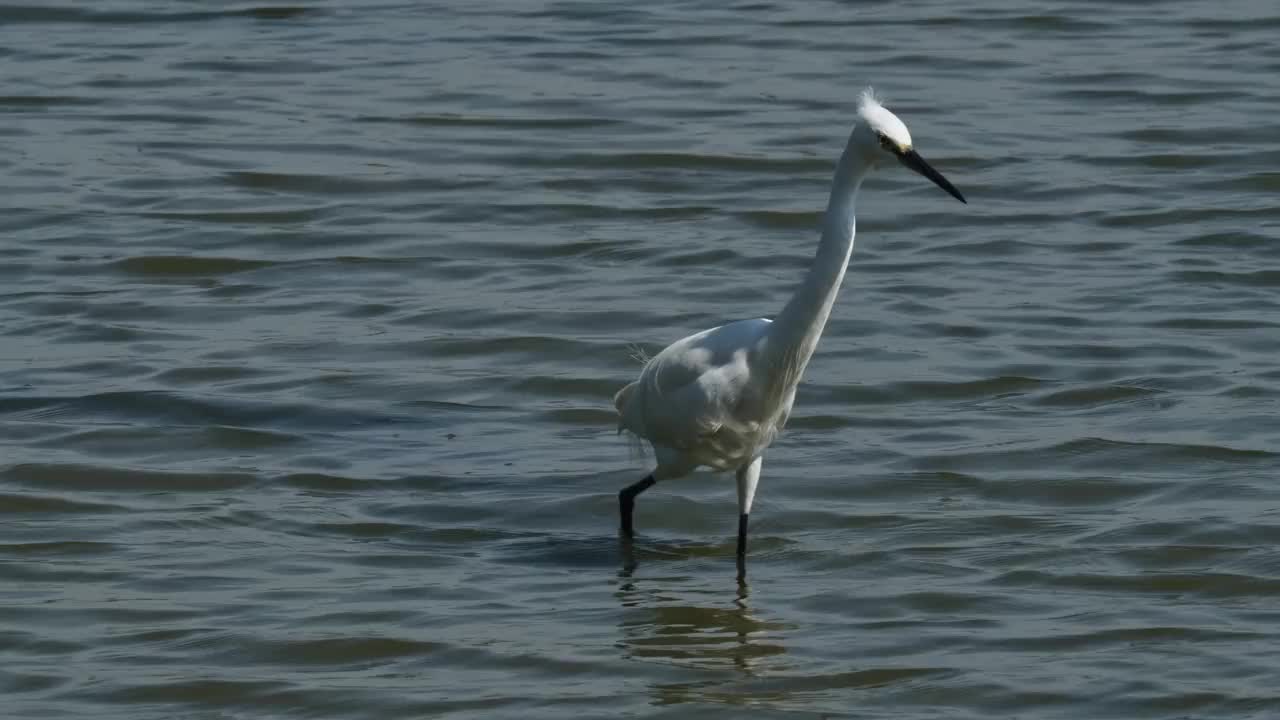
(718, 398)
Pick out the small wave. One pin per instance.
(65, 548)
(332, 651)
(185, 409)
(1235, 239)
(503, 123)
(255, 218)
(163, 265)
(1085, 453)
(316, 184)
(23, 504)
(678, 161)
(1209, 584)
(34, 14)
(1257, 278)
(97, 478)
(1096, 396)
(42, 102)
(929, 391)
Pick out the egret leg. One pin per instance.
(748, 479)
(627, 502)
(742, 536)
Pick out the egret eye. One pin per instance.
(886, 143)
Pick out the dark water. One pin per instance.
(310, 317)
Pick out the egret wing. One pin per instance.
(689, 391)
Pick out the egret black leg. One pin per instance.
(627, 502)
(742, 536)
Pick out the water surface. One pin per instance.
(311, 315)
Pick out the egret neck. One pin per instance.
(794, 333)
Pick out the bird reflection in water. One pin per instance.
(695, 623)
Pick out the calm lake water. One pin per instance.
(311, 315)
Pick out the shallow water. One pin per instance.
(310, 317)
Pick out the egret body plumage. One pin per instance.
(720, 397)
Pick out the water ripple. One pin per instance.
(313, 314)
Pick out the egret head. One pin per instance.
(885, 137)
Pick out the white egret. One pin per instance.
(719, 398)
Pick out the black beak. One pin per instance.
(912, 159)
